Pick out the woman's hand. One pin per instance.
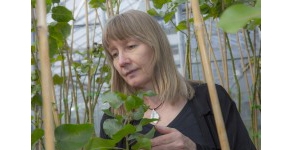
(171, 139)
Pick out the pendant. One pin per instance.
(154, 115)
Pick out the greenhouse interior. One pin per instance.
(68, 88)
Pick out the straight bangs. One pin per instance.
(124, 26)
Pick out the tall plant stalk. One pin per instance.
(213, 54)
(224, 63)
(248, 55)
(243, 66)
(90, 116)
(188, 46)
(256, 100)
(234, 73)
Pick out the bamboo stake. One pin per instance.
(147, 3)
(45, 75)
(209, 77)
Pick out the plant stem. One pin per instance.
(188, 47)
(234, 73)
(213, 55)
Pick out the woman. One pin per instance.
(141, 59)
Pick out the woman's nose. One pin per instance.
(123, 59)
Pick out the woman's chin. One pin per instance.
(134, 85)
(139, 85)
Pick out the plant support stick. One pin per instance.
(209, 77)
(45, 75)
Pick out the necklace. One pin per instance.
(154, 113)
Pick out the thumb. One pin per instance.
(163, 129)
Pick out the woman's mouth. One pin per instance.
(130, 72)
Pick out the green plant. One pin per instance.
(73, 137)
(75, 81)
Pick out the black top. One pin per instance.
(185, 122)
(196, 121)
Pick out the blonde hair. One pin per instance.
(167, 81)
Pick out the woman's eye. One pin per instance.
(132, 46)
(114, 55)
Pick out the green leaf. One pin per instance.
(180, 1)
(152, 12)
(64, 28)
(53, 46)
(149, 93)
(36, 88)
(113, 99)
(126, 130)
(133, 102)
(205, 8)
(34, 76)
(97, 4)
(73, 136)
(48, 2)
(33, 3)
(76, 64)
(37, 134)
(36, 100)
(134, 136)
(107, 112)
(58, 80)
(138, 114)
(61, 14)
(142, 143)
(111, 126)
(48, 8)
(237, 16)
(258, 4)
(169, 16)
(181, 26)
(159, 3)
(145, 121)
(61, 115)
(55, 32)
(105, 68)
(99, 143)
(58, 58)
(55, 1)
(150, 134)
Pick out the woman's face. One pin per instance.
(132, 60)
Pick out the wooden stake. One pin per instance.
(45, 75)
(208, 76)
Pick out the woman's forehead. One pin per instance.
(122, 41)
